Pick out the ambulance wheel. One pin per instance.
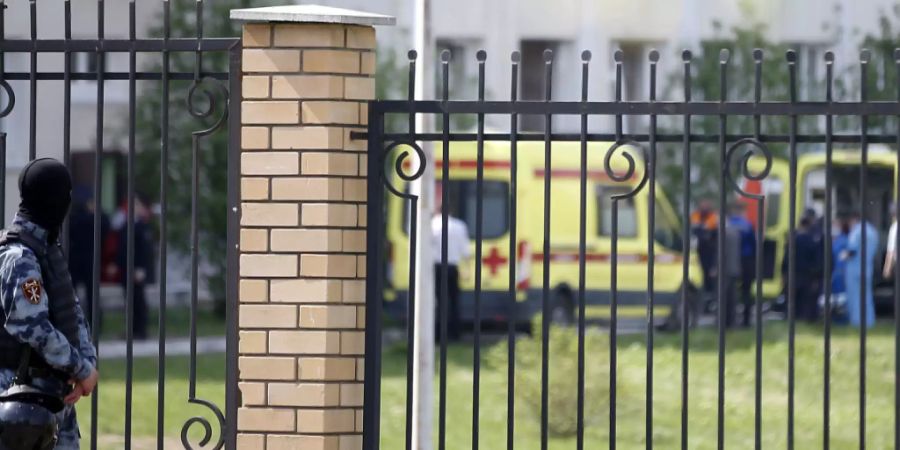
(563, 308)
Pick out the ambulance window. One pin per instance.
(463, 205)
(496, 201)
(627, 213)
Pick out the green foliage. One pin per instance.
(213, 149)
(563, 382)
(740, 41)
(882, 79)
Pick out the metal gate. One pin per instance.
(207, 99)
(627, 162)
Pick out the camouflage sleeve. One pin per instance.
(28, 319)
(86, 345)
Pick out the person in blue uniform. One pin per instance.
(43, 325)
(853, 275)
(737, 218)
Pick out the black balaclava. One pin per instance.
(45, 187)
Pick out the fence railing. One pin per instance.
(745, 168)
(207, 101)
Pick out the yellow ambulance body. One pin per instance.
(634, 234)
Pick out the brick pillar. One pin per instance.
(308, 72)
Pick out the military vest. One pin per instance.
(63, 306)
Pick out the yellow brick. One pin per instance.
(268, 316)
(253, 291)
(268, 265)
(254, 138)
(326, 421)
(331, 61)
(250, 342)
(331, 317)
(353, 342)
(351, 394)
(361, 317)
(266, 419)
(359, 88)
(361, 266)
(254, 188)
(304, 342)
(252, 394)
(304, 442)
(266, 368)
(359, 420)
(254, 240)
(270, 163)
(269, 214)
(363, 165)
(336, 266)
(363, 218)
(355, 190)
(350, 442)
(363, 113)
(314, 163)
(354, 241)
(307, 138)
(304, 394)
(357, 145)
(353, 291)
(327, 369)
(245, 440)
(255, 86)
(361, 37)
(329, 215)
(306, 291)
(270, 112)
(268, 60)
(368, 63)
(309, 188)
(309, 35)
(329, 112)
(360, 369)
(257, 35)
(294, 240)
(307, 86)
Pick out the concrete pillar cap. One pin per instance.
(311, 14)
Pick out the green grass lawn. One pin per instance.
(630, 416)
(667, 394)
(111, 414)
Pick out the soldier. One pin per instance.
(44, 330)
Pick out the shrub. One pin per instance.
(563, 377)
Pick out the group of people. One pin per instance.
(807, 263)
(848, 281)
(113, 254)
(739, 263)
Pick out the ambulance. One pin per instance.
(811, 189)
(634, 234)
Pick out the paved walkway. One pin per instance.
(150, 347)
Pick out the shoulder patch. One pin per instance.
(32, 289)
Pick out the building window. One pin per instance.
(635, 80)
(533, 81)
(811, 70)
(463, 77)
(86, 62)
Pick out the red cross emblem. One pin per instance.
(494, 260)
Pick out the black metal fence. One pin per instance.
(630, 161)
(207, 101)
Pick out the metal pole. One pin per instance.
(423, 358)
